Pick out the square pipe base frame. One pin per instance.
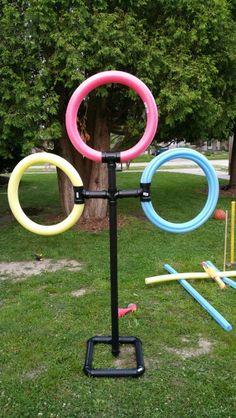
(110, 372)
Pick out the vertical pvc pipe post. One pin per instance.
(113, 257)
(232, 234)
(225, 240)
(202, 301)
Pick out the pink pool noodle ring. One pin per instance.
(100, 79)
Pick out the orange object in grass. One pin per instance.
(219, 214)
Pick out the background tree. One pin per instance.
(232, 165)
(184, 51)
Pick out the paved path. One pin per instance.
(198, 172)
(186, 167)
(183, 162)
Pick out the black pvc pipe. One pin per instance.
(113, 256)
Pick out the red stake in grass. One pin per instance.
(132, 307)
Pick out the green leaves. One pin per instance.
(184, 51)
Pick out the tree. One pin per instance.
(48, 49)
(184, 51)
(197, 94)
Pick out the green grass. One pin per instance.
(143, 158)
(44, 329)
(219, 155)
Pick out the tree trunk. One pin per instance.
(70, 154)
(94, 175)
(232, 167)
(97, 208)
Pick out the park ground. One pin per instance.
(46, 318)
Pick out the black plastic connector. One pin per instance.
(97, 194)
(146, 192)
(128, 193)
(111, 157)
(79, 195)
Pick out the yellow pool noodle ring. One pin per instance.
(13, 196)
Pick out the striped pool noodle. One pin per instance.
(226, 280)
(202, 301)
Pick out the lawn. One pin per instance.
(219, 155)
(190, 360)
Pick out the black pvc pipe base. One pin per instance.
(100, 372)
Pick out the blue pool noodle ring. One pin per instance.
(213, 190)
